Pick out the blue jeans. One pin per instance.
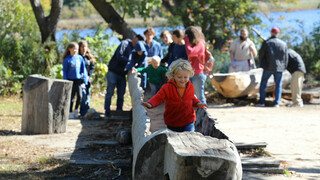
(189, 127)
(85, 101)
(114, 81)
(198, 83)
(154, 88)
(264, 80)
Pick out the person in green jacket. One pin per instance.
(154, 72)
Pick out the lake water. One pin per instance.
(288, 22)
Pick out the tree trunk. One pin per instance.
(115, 21)
(47, 24)
(46, 104)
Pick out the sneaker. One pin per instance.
(276, 105)
(259, 105)
(76, 113)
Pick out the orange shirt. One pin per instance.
(181, 90)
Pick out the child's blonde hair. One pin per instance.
(156, 58)
(177, 65)
(67, 52)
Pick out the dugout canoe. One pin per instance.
(240, 84)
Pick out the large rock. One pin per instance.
(46, 104)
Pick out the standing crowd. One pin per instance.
(178, 78)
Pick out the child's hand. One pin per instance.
(147, 105)
(202, 105)
(134, 70)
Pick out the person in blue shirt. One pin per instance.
(74, 70)
(179, 50)
(116, 76)
(153, 47)
(139, 59)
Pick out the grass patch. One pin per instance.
(20, 160)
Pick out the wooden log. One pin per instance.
(187, 155)
(46, 104)
(239, 84)
(305, 95)
(205, 124)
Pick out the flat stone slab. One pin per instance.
(260, 162)
(256, 145)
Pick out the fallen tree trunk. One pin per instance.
(246, 83)
(187, 155)
(46, 104)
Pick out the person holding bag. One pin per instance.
(196, 48)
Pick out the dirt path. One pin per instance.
(292, 134)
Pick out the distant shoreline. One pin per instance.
(96, 20)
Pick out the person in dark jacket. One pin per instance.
(116, 76)
(89, 62)
(138, 58)
(166, 37)
(273, 57)
(297, 69)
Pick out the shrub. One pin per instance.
(9, 80)
(309, 51)
(20, 44)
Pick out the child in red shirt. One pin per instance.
(179, 98)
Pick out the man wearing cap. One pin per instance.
(116, 76)
(273, 57)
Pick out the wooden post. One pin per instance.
(45, 105)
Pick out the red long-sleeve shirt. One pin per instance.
(194, 54)
(179, 110)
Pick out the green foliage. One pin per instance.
(72, 3)
(77, 9)
(309, 51)
(142, 7)
(222, 62)
(100, 46)
(219, 20)
(9, 80)
(99, 76)
(57, 72)
(20, 46)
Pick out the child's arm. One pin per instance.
(157, 99)
(146, 104)
(198, 104)
(65, 69)
(201, 105)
